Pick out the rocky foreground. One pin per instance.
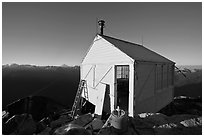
(181, 117)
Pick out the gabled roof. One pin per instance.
(135, 51)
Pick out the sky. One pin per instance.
(61, 32)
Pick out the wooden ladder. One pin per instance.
(77, 106)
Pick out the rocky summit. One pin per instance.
(178, 118)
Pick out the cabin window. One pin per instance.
(122, 72)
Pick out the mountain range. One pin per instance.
(60, 83)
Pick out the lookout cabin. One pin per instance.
(128, 75)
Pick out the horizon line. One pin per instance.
(79, 64)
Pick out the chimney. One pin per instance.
(101, 24)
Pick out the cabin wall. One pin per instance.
(98, 69)
(163, 98)
(144, 88)
(103, 52)
(104, 74)
(153, 87)
(99, 77)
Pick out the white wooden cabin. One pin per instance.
(128, 75)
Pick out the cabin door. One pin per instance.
(122, 86)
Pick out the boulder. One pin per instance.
(173, 129)
(194, 122)
(96, 124)
(108, 130)
(20, 124)
(46, 131)
(5, 116)
(156, 119)
(38, 106)
(27, 127)
(144, 115)
(183, 105)
(71, 129)
(131, 131)
(61, 121)
(140, 126)
(83, 120)
(9, 126)
(40, 127)
(178, 118)
(180, 125)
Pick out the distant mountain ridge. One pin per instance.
(190, 67)
(59, 83)
(13, 65)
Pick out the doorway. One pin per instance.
(122, 86)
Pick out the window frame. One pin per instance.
(123, 72)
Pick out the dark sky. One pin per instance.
(61, 33)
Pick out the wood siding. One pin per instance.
(147, 97)
(104, 52)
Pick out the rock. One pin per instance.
(71, 129)
(46, 131)
(108, 130)
(140, 126)
(178, 130)
(5, 116)
(178, 118)
(41, 126)
(62, 120)
(38, 106)
(144, 115)
(156, 119)
(27, 127)
(138, 122)
(169, 125)
(183, 105)
(180, 125)
(46, 121)
(131, 131)
(194, 122)
(20, 124)
(96, 124)
(83, 120)
(166, 129)
(9, 126)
